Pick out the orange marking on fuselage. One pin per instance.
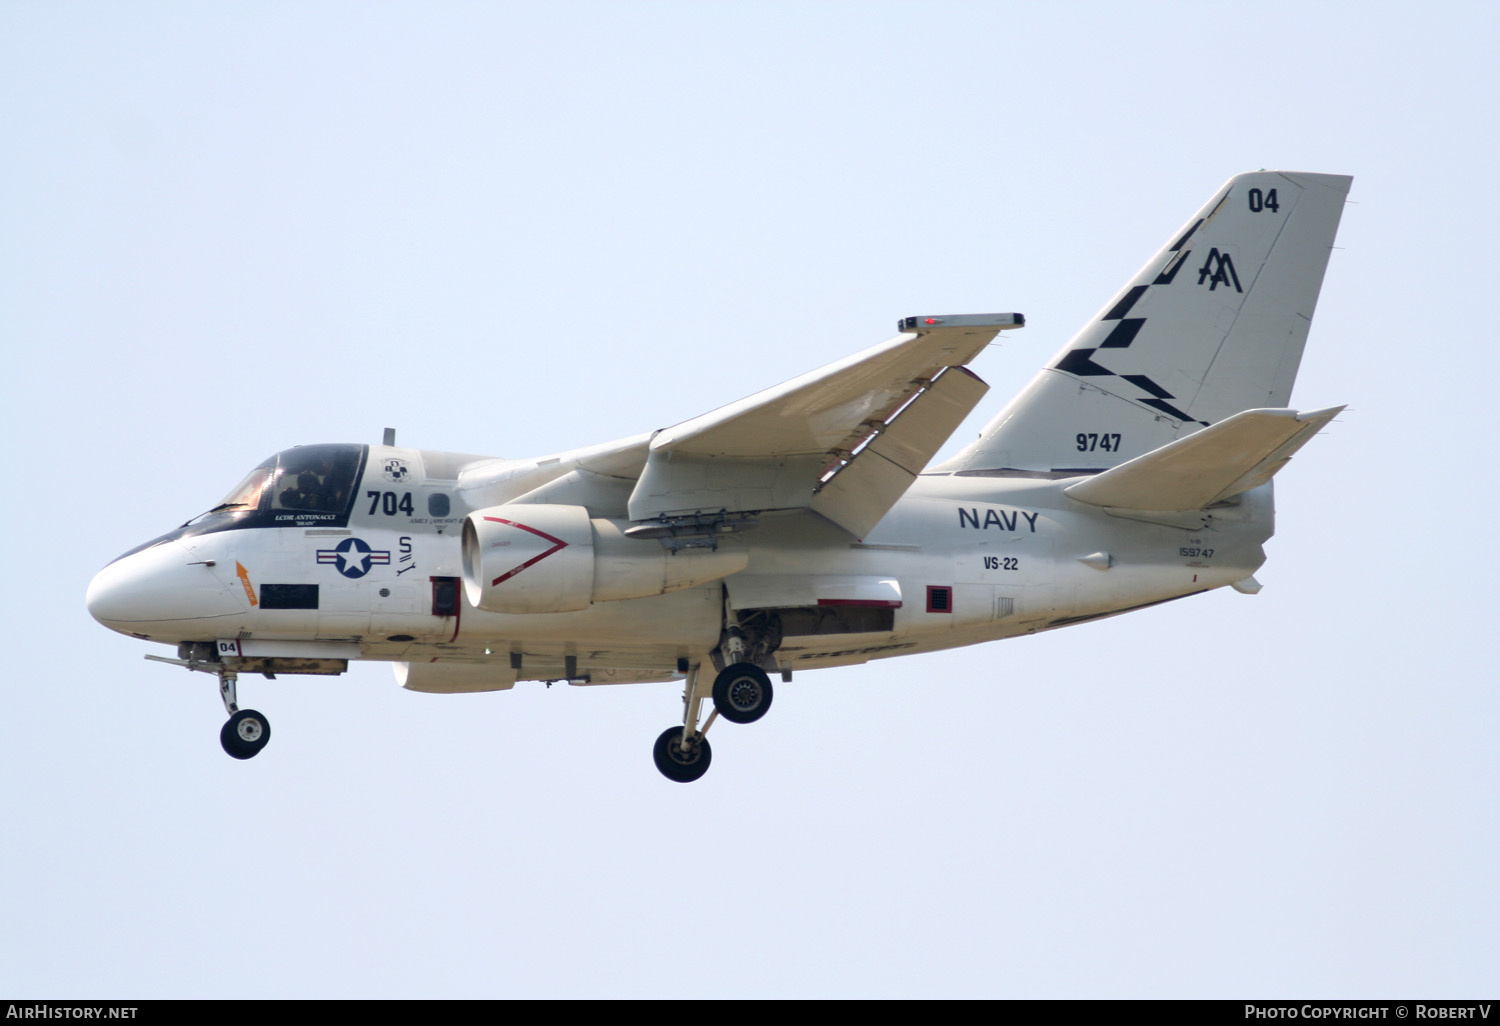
(244, 576)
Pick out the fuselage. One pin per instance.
(357, 549)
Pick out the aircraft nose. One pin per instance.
(112, 597)
(156, 589)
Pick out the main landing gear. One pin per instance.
(682, 753)
(741, 693)
(247, 731)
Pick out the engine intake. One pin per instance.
(537, 558)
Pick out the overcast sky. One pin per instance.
(226, 229)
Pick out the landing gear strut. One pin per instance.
(682, 753)
(742, 691)
(247, 731)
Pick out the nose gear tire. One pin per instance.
(244, 734)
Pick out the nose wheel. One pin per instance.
(245, 733)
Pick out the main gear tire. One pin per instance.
(742, 693)
(677, 765)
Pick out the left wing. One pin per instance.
(845, 440)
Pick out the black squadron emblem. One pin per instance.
(1218, 270)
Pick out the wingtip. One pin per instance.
(1324, 415)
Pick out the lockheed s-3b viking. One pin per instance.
(798, 528)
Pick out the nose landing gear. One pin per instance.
(246, 731)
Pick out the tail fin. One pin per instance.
(1213, 324)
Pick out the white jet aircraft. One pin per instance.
(795, 529)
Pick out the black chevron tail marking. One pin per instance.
(1161, 395)
(1170, 271)
(1123, 334)
(1188, 234)
(1121, 308)
(1145, 384)
(1078, 362)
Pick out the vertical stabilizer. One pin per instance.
(1213, 324)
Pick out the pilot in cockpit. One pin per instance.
(306, 494)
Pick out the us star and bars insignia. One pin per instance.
(353, 557)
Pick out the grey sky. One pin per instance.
(511, 229)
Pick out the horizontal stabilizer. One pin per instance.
(1208, 466)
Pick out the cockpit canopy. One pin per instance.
(305, 485)
(311, 484)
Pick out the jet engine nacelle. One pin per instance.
(536, 558)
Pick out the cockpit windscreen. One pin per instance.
(311, 484)
(314, 481)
